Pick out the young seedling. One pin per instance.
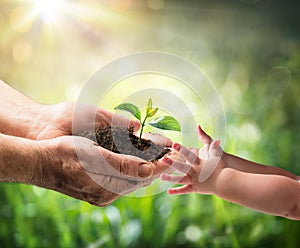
(163, 122)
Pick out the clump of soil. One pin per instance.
(122, 140)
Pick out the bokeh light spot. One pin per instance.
(119, 5)
(249, 132)
(156, 4)
(19, 20)
(279, 77)
(22, 52)
(193, 233)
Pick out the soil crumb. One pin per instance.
(122, 140)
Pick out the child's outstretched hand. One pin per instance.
(200, 167)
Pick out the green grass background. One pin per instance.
(249, 51)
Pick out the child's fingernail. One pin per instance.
(167, 160)
(163, 176)
(216, 143)
(170, 191)
(176, 146)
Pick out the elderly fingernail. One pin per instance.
(135, 125)
(145, 170)
(176, 146)
(167, 160)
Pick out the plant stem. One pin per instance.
(142, 128)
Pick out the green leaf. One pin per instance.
(149, 103)
(149, 110)
(166, 123)
(152, 112)
(149, 106)
(130, 108)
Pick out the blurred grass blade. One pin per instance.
(130, 108)
(166, 123)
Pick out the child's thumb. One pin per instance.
(215, 149)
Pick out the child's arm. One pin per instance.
(272, 194)
(244, 165)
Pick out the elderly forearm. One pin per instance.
(19, 159)
(273, 194)
(18, 114)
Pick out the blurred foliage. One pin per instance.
(250, 52)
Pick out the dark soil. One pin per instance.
(122, 140)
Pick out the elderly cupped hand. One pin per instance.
(82, 169)
(39, 146)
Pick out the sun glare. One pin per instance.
(49, 10)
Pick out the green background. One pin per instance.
(249, 51)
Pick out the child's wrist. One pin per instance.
(225, 157)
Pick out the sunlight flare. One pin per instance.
(49, 10)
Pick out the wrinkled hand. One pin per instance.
(200, 166)
(79, 168)
(59, 120)
(82, 169)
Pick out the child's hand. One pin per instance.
(201, 166)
